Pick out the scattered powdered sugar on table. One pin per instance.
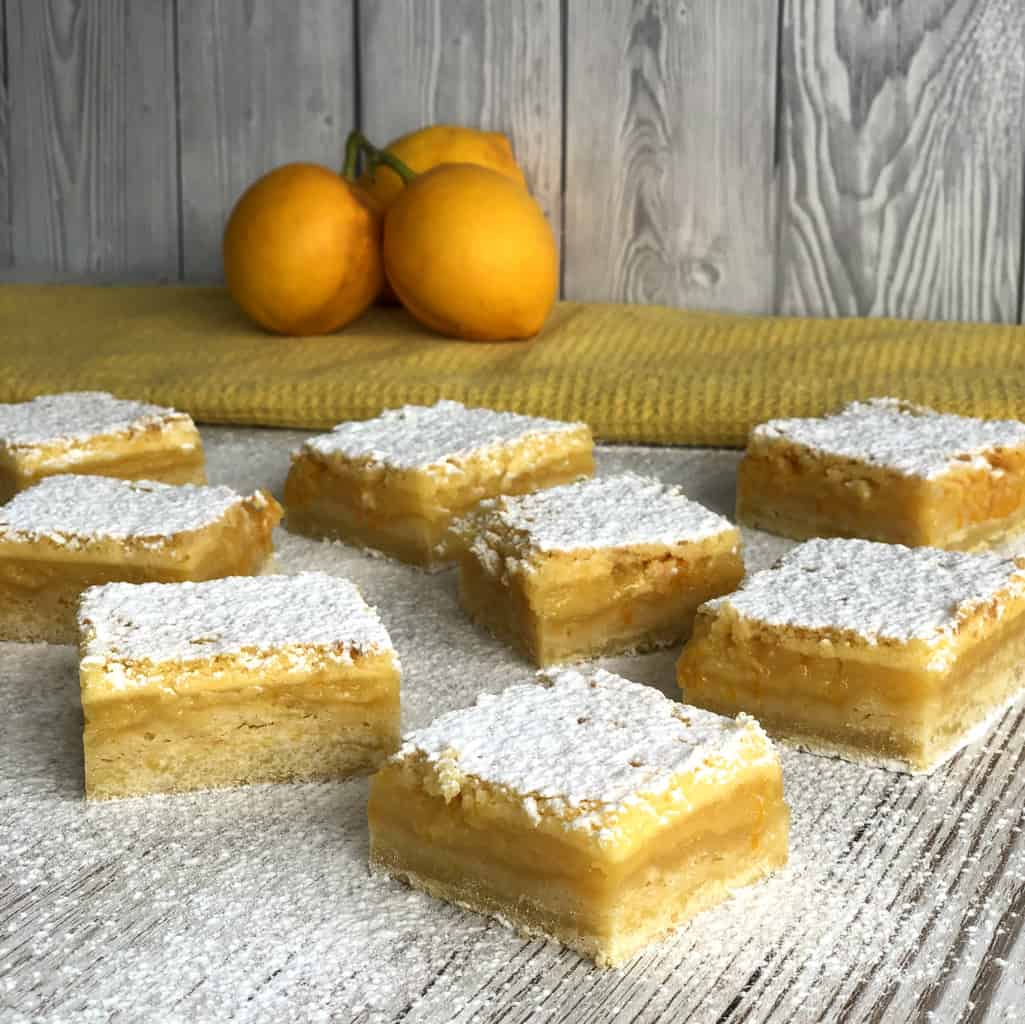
(875, 591)
(589, 741)
(602, 512)
(421, 436)
(897, 435)
(260, 615)
(903, 895)
(76, 416)
(77, 509)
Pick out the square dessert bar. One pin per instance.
(591, 810)
(880, 653)
(886, 470)
(395, 483)
(604, 565)
(91, 432)
(249, 679)
(72, 532)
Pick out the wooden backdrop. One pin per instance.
(804, 156)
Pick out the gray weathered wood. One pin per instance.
(261, 83)
(669, 152)
(92, 174)
(903, 895)
(903, 148)
(494, 64)
(901, 144)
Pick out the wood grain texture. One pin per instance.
(494, 64)
(669, 152)
(92, 173)
(904, 896)
(261, 83)
(903, 145)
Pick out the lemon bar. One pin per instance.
(880, 653)
(886, 470)
(71, 532)
(396, 482)
(596, 567)
(248, 679)
(91, 432)
(588, 809)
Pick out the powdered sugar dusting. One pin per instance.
(606, 512)
(418, 436)
(77, 416)
(256, 904)
(896, 435)
(588, 743)
(875, 591)
(71, 509)
(259, 615)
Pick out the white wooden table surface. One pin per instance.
(904, 899)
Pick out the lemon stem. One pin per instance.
(358, 145)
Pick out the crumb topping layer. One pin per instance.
(602, 512)
(69, 509)
(583, 745)
(77, 416)
(875, 591)
(420, 436)
(896, 435)
(259, 615)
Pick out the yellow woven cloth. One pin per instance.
(635, 373)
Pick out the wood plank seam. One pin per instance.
(1021, 240)
(563, 137)
(357, 68)
(176, 42)
(6, 244)
(778, 157)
